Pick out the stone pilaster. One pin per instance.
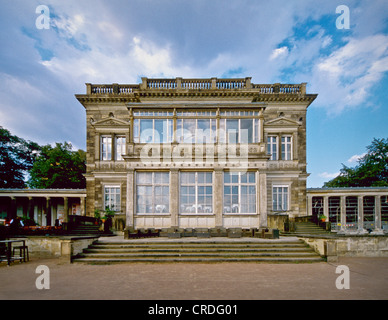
(218, 196)
(261, 184)
(174, 197)
(129, 211)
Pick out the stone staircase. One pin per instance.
(308, 228)
(85, 229)
(197, 250)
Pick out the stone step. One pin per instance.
(269, 259)
(197, 251)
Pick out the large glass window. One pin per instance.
(239, 130)
(152, 130)
(239, 192)
(106, 148)
(196, 130)
(112, 198)
(120, 147)
(280, 198)
(196, 192)
(152, 192)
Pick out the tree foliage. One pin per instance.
(16, 158)
(58, 167)
(371, 170)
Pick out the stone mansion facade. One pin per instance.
(196, 153)
(199, 153)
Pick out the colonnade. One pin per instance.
(351, 210)
(45, 206)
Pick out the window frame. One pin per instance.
(181, 130)
(196, 185)
(287, 197)
(223, 136)
(271, 145)
(108, 205)
(239, 186)
(153, 195)
(137, 132)
(106, 156)
(122, 146)
(286, 154)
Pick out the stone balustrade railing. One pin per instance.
(196, 84)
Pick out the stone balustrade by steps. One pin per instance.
(198, 250)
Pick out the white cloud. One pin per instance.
(279, 52)
(355, 158)
(328, 175)
(346, 77)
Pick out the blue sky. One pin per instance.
(271, 41)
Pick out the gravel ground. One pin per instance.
(368, 280)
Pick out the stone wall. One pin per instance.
(350, 246)
(277, 221)
(57, 247)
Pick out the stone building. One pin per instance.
(199, 153)
(196, 153)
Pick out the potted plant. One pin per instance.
(107, 218)
(97, 216)
(322, 218)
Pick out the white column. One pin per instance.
(377, 229)
(309, 205)
(326, 207)
(343, 214)
(82, 204)
(360, 216)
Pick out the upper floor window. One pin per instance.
(196, 130)
(272, 147)
(106, 148)
(239, 130)
(286, 148)
(120, 147)
(152, 130)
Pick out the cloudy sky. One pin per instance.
(117, 41)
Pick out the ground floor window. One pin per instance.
(239, 192)
(152, 192)
(280, 198)
(196, 192)
(112, 198)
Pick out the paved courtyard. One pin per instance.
(197, 281)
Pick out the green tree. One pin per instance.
(58, 167)
(371, 170)
(16, 158)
